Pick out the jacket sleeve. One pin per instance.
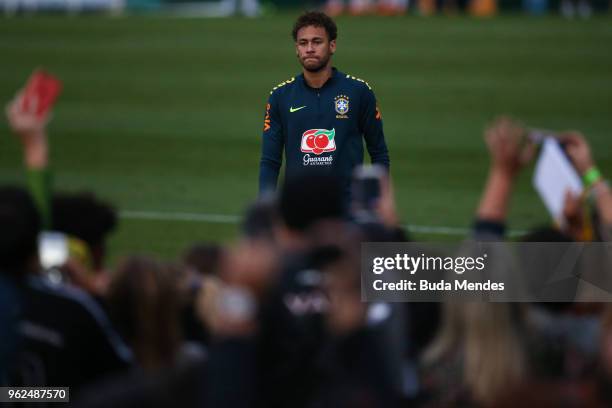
(372, 128)
(271, 147)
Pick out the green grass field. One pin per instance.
(165, 114)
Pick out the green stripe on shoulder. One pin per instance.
(290, 80)
(359, 80)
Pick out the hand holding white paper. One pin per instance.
(554, 175)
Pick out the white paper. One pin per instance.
(554, 175)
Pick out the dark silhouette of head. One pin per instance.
(204, 258)
(309, 198)
(19, 227)
(85, 217)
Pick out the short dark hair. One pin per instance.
(205, 257)
(83, 216)
(308, 198)
(260, 219)
(316, 19)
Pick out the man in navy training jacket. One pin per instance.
(320, 116)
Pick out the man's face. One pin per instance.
(313, 48)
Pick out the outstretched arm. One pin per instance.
(31, 131)
(509, 151)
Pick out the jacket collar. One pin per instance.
(334, 76)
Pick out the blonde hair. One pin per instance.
(144, 300)
(490, 346)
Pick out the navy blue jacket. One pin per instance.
(320, 129)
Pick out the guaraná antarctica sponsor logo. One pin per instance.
(318, 141)
(318, 160)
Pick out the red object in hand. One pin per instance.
(40, 92)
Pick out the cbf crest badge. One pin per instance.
(341, 104)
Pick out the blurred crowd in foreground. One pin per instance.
(276, 320)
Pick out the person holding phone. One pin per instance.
(28, 115)
(579, 152)
(320, 117)
(79, 345)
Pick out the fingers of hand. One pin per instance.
(571, 206)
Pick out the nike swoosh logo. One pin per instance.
(292, 109)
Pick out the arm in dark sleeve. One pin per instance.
(488, 230)
(372, 128)
(271, 148)
(231, 374)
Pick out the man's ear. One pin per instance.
(332, 46)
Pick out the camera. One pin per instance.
(366, 191)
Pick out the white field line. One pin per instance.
(180, 216)
(235, 219)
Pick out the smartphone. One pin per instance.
(41, 92)
(53, 249)
(366, 189)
